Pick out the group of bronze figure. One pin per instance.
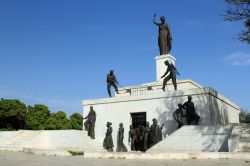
(169, 74)
(165, 45)
(141, 137)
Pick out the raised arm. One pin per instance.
(154, 20)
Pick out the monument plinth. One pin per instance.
(160, 66)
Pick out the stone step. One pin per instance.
(11, 148)
(244, 139)
(244, 144)
(244, 149)
(242, 135)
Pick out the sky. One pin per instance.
(58, 52)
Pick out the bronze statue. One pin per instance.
(132, 137)
(172, 75)
(120, 135)
(108, 140)
(178, 115)
(155, 132)
(112, 81)
(190, 112)
(90, 123)
(164, 36)
(146, 134)
(139, 143)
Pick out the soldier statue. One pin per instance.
(164, 36)
(120, 135)
(108, 140)
(132, 137)
(178, 115)
(191, 115)
(172, 75)
(90, 123)
(112, 81)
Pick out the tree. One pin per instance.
(76, 121)
(239, 10)
(58, 121)
(244, 116)
(36, 117)
(12, 114)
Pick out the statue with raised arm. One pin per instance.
(164, 36)
(90, 122)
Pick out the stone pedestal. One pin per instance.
(161, 68)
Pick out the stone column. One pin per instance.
(161, 68)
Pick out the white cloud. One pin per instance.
(238, 59)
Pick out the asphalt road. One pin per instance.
(23, 159)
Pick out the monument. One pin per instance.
(134, 106)
(207, 122)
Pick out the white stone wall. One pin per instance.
(213, 109)
(211, 138)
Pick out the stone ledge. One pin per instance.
(143, 156)
(177, 155)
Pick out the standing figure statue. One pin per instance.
(178, 115)
(164, 36)
(172, 75)
(108, 140)
(112, 81)
(190, 112)
(90, 123)
(155, 132)
(146, 136)
(120, 135)
(140, 138)
(132, 137)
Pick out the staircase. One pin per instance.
(240, 138)
(195, 139)
(96, 144)
(62, 140)
(18, 141)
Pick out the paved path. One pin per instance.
(23, 159)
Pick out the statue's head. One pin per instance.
(162, 19)
(166, 62)
(189, 98)
(111, 72)
(91, 107)
(180, 105)
(121, 124)
(109, 124)
(155, 121)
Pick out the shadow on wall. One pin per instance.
(210, 112)
(166, 117)
(218, 113)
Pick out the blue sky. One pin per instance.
(58, 52)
